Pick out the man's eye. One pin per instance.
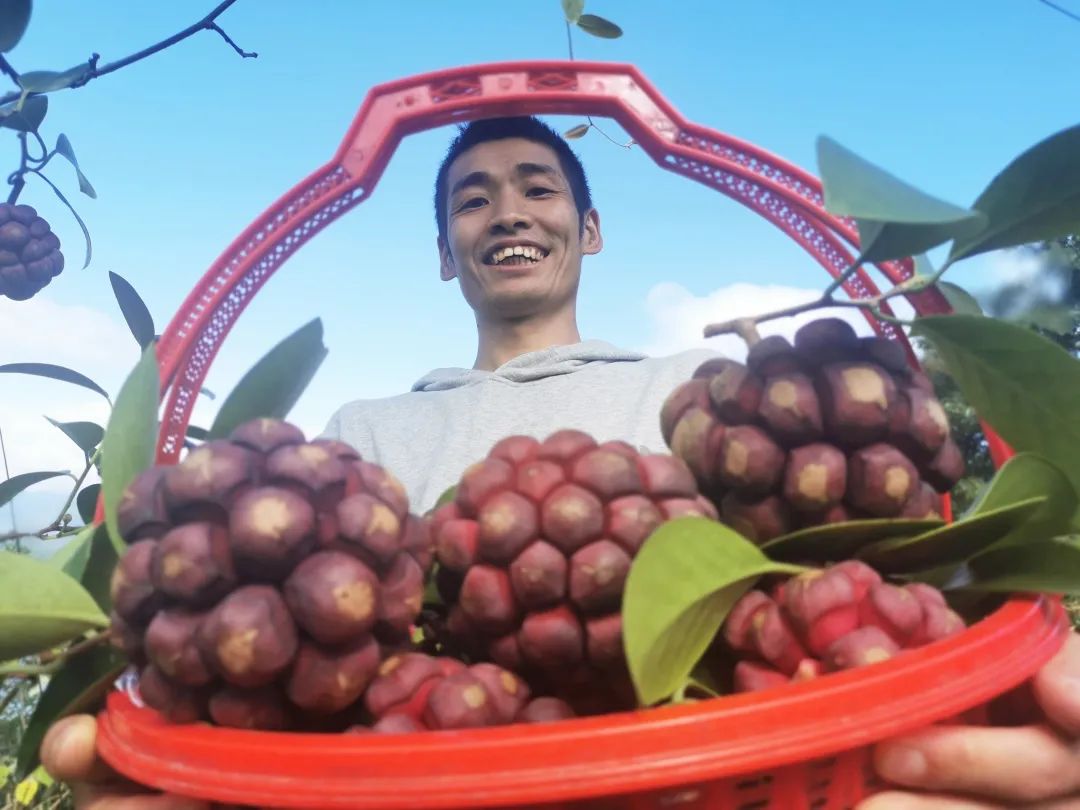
(472, 202)
(539, 191)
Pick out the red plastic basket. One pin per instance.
(801, 746)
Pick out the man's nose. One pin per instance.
(508, 217)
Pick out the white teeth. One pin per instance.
(527, 251)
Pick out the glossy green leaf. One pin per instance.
(138, 317)
(17, 483)
(953, 543)
(1027, 475)
(49, 81)
(572, 9)
(839, 541)
(64, 148)
(130, 438)
(598, 26)
(895, 219)
(275, 383)
(41, 606)
(72, 558)
(54, 372)
(961, 301)
(576, 132)
(14, 17)
(1052, 566)
(86, 502)
(87, 435)
(448, 495)
(1035, 198)
(681, 586)
(1025, 386)
(26, 118)
(75, 688)
(5, 774)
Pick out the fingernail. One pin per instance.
(903, 764)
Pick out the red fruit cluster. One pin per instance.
(30, 254)
(536, 546)
(832, 428)
(265, 575)
(824, 621)
(417, 692)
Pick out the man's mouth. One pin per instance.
(516, 256)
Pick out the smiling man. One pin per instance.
(515, 219)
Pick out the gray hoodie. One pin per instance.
(452, 416)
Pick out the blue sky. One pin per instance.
(187, 147)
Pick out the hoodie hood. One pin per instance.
(550, 362)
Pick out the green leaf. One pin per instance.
(839, 541)
(682, 583)
(48, 81)
(75, 688)
(87, 435)
(576, 132)
(1025, 386)
(130, 438)
(64, 148)
(42, 775)
(74, 213)
(895, 220)
(1027, 475)
(54, 372)
(598, 26)
(5, 774)
(97, 576)
(962, 302)
(14, 17)
(953, 543)
(41, 606)
(86, 502)
(1060, 320)
(17, 483)
(26, 118)
(572, 9)
(1035, 198)
(1052, 566)
(275, 383)
(138, 317)
(448, 495)
(72, 558)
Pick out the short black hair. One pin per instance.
(496, 129)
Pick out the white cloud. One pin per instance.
(677, 317)
(1013, 266)
(87, 340)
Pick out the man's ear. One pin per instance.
(592, 241)
(447, 271)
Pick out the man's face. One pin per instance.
(514, 240)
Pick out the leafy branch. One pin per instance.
(51, 662)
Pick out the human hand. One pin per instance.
(69, 754)
(1035, 766)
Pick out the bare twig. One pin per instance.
(7, 475)
(237, 48)
(1064, 11)
(207, 23)
(6, 68)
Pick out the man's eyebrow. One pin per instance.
(471, 179)
(525, 169)
(480, 178)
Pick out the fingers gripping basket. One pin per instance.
(805, 745)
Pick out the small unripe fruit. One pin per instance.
(397, 687)
(889, 354)
(459, 701)
(401, 599)
(692, 393)
(924, 503)
(754, 677)
(545, 710)
(597, 576)
(266, 435)
(260, 709)
(946, 468)
(826, 340)
(922, 425)
(205, 484)
(141, 513)
(507, 522)
(570, 517)
(630, 520)
(507, 692)
(178, 703)
(368, 528)
(697, 439)
(536, 479)
(552, 639)
(866, 645)
(487, 598)
(538, 576)
(773, 355)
